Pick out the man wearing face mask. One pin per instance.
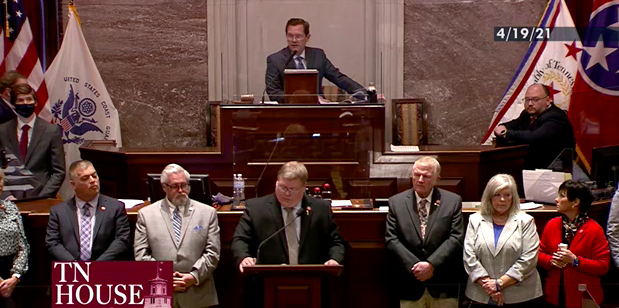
(36, 143)
(8, 80)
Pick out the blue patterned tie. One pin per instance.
(177, 222)
(85, 230)
(300, 65)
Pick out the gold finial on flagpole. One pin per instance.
(74, 10)
(6, 19)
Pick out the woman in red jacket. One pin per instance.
(586, 257)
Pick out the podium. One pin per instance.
(293, 285)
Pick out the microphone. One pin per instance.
(267, 164)
(296, 215)
(294, 52)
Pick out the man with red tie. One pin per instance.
(36, 143)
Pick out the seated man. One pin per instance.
(185, 231)
(542, 125)
(36, 143)
(297, 35)
(9, 79)
(98, 221)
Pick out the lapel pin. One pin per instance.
(308, 210)
(437, 202)
(103, 208)
(191, 209)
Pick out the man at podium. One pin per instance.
(287, 227)
(297, 36)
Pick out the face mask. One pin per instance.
(25, 110)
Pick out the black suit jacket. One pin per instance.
(110, 233)
(441, 246)
(547, 136)
(315, 59)
(45, 158)
(320, 238)
(6, 112)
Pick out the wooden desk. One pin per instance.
(362, 284)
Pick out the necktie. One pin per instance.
(300, 65)
(532, 120)
(291, 238)
(23, 143)
(423, 216)
(177, 223)
(85, 230)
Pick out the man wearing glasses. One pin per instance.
(297, 36)
(184, 231)
(311, 235)
(542, 125)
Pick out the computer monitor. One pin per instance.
(200, 188)
(301, 86)
(605, 166)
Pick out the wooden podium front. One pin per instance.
(293, 285)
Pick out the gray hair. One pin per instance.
(430, 161)
(293, 170)
(170, 169)
(496, 184)
(78, 165)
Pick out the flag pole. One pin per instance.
(73, 9)
(6, 18)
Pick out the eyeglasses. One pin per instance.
(289, 190)
(182, 186)
(297, 37)
(534, 99)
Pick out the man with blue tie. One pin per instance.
(297, 36)
(89, 226)
(185, 231)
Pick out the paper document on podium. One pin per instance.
(542, 185)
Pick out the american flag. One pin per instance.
(20, 53)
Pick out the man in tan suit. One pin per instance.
(184, 231)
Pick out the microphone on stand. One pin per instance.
(294, 52)
(297, 214)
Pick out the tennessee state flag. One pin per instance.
(594, 108)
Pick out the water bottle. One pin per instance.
(236, 195)
(241, 188)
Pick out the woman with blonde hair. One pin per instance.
(500, 249)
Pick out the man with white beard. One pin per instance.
(185, 231)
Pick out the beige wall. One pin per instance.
(153, 57)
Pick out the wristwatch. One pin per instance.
(575, 263)
(500, 284)
(17, 276)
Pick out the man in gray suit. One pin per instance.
(184, 231)
(36, 143)
(297, 36)
(424, 235)
(90, 226)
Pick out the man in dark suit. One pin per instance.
(542, 125)
(297, 35)
(424, 235)
(8, 80)
(298, 243)
(36, 143)
(90, 226)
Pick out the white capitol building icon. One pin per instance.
(158, 297)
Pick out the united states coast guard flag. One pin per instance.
(79, 103)
(552, 63)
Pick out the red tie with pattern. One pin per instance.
(23, 143)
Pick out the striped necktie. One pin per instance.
(85, 232)
(177, 223)
(291, 238)
(300, 65)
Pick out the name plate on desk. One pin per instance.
(352, 204)
(112, 284)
